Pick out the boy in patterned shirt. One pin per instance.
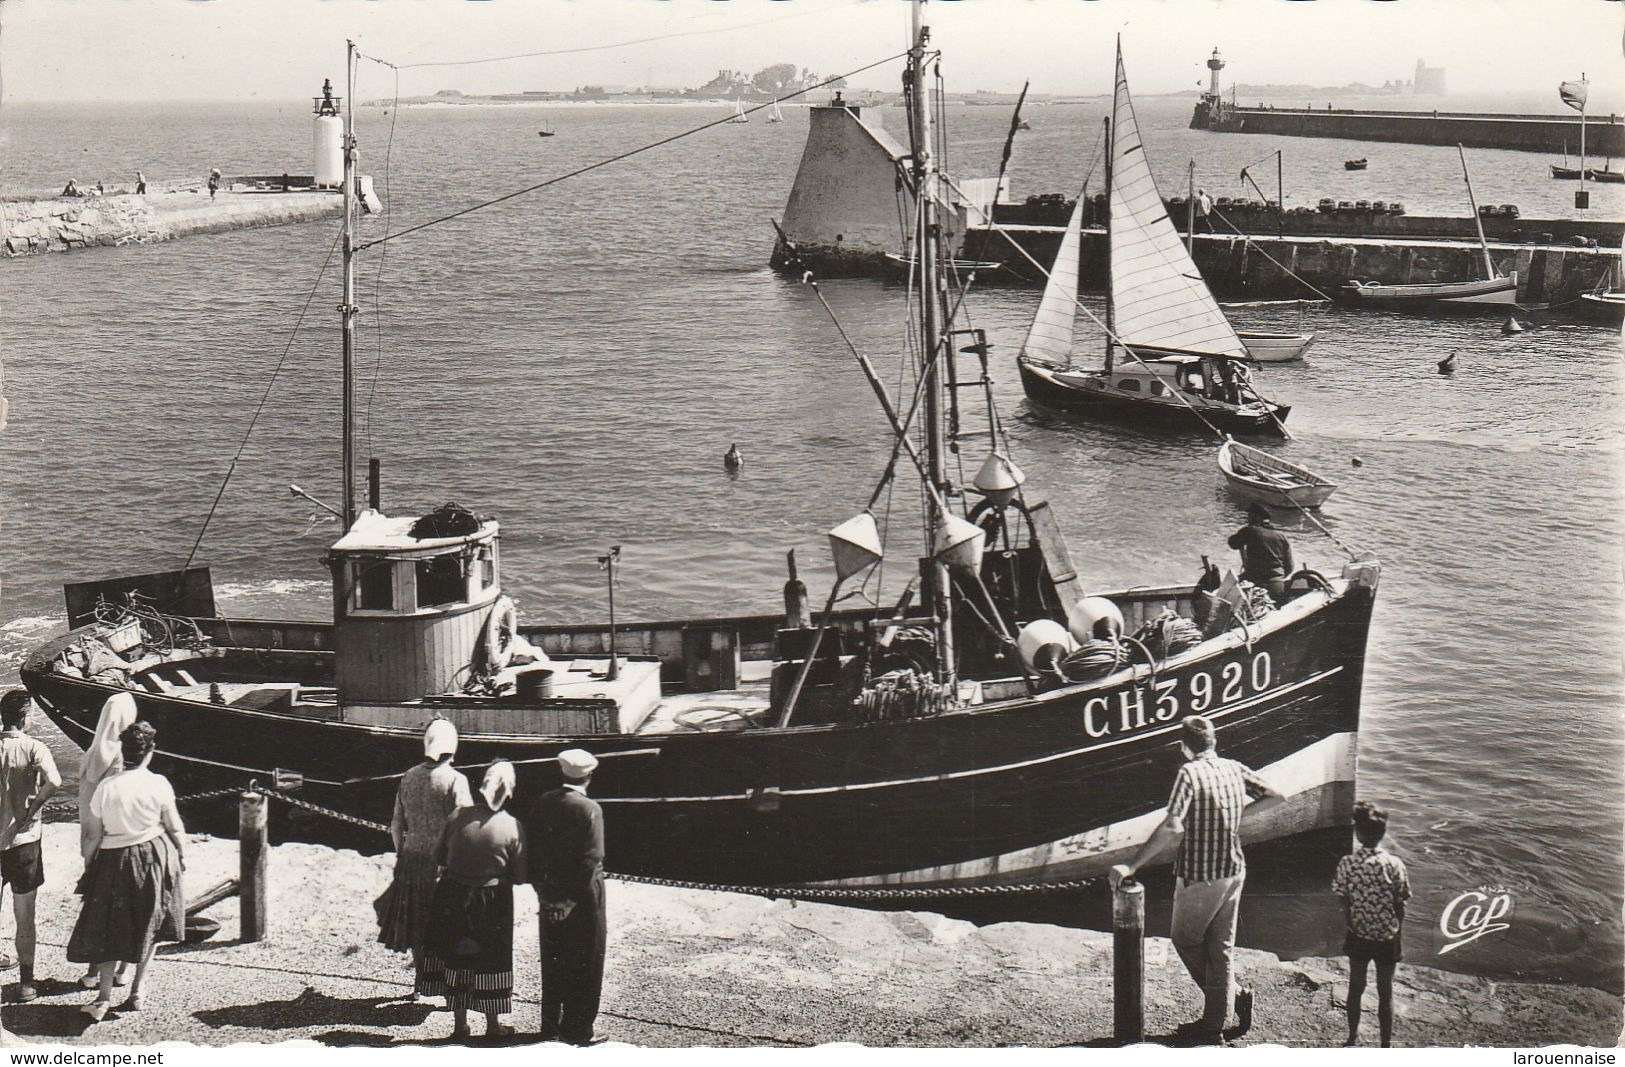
(1374, 888)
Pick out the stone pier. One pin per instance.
(63, 224)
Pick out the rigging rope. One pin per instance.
(378, 278)
(617, 158)
(1311, 286)
(243, 444)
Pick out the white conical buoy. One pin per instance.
(1512, 325)
(958, 543)
(998, 480)
(855, 544)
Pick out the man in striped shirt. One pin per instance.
(1204, 816)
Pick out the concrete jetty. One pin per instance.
(64, 224)
(694, 968)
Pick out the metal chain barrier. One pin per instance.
(809, 893)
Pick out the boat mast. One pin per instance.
(347, 309)
(925, 190)
(1472, 200)
(1111, 304)
(1581, 197)
(1190, 209)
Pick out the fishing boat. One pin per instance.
(1563, 171)
(900, 269)
(1607, 176)
(775, 115)
(1256, 475)
(875, 751)
(739, 112)
(1493, 291)
(1172, 358)
(1275, 347)
(544, 133)
(1355, 164)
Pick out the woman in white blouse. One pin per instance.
(134, 855)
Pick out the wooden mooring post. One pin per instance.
(1128, 962)
(253, 851)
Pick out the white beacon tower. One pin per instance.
(327, 139)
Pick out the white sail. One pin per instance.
(1158, 296)
(1050, 337)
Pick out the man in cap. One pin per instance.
(1266, 553)
(566, 829)
(1204, 816)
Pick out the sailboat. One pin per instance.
(775, 115)
(1563, 171)
(1494, 290)
(1172, 358)
(739, 111)
(873, 752)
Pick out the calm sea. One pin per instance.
(575, 362)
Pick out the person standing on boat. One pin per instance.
(1266, 553)
(28, 778)
(470, 930)
(132, 880)
(566, 831)
(1204, 817)
(429, 793)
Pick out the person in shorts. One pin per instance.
(28, 778)
(1374, 887)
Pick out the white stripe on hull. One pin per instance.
(1318, 782)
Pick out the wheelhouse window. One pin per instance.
(374, 585)
(440, 581)
(1128, 385)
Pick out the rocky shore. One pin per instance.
(692, 968)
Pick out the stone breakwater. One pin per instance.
(63, 224)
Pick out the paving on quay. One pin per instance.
(694, 968)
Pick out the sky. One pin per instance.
(282, 49)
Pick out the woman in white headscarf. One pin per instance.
(103, 759)
(428, 795)
(470, 935)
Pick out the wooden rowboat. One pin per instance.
(1275, 347)
(1259, 476)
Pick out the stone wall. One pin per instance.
(62, 224)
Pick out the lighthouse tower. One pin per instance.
(1214, 64)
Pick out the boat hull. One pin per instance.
(1247, 482)
(1044, 386)
(1020, 791)
(1491, 293)
(1276, 347)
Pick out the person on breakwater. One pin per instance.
(140, 184)
(28, 778)
(72, 188)
(1374, 887)
(1204, 816)
(470, 930)
(566, 831)
(214, 182)
(1266, 553)
(132, 881)
(1204, 204)
(102, 760)
(428, 796)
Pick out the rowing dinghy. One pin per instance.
(1257, 475)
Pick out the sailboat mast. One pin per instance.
(347, 309)
(1478, 223)
(1111, 304)
(1190, 208)
(925, 189)
(1583, 138)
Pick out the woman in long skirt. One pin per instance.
(102, 760)
(428, 795)
(470, 935)
(132, 879)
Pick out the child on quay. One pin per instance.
(1374, 887)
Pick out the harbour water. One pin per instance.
(576, 361)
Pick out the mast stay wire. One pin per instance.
(617, 158)
(378, 277)
(242, 445)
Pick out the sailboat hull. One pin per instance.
(1018, 790)
(1492, 293)
(1276, 347)
(1057, 388)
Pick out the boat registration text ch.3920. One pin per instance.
(1201, 692)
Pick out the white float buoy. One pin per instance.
(1087, 612)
